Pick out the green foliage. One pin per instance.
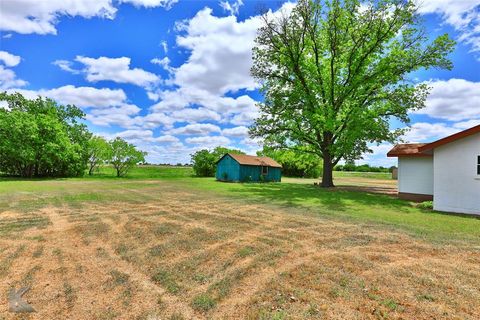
(124, 156)
(295, 163)
(426, 205)
(204, 161)
(361, 168)
(203, 302)
(39, 138)
(334, 73)
(99, 152)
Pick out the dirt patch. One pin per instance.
(160, 252)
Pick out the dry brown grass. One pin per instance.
(163, 252)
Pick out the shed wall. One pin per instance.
(456, 182)
(253, 173)
(230, 167)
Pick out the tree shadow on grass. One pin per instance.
(335, 199)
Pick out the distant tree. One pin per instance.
(39, 138)
(99, 152)
(294, 163)
(204, 161)
(124, 156)
(334, 72)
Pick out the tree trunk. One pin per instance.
(327, 177)
(90, 172)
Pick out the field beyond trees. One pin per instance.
(162, 244)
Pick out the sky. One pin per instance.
(172, 76)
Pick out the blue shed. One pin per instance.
(244, 168)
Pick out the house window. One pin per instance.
(265, 169)
(478, 165)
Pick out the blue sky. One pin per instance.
(172, 76)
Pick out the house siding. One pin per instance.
(415, 175)
(456, 182)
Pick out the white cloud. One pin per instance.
(164, 46)
(34, 16)
(378, 157)
(66, 65)
(135, 134)
(111, 69)
(240, 131)
(428, 132)
(197, 128)
(85, 97)
(9, 60)
(154, 120)
(41, 16)
(467, 124)
(453, 100)
(167, 4)
(231, 7)
(463, 15)
(209, 141)
(164, 63)
(195, 115)
(166, 138)
(8, 79)
(215, 64)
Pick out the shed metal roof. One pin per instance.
(408, 149)
(254, 160)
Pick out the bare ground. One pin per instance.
(162, 252)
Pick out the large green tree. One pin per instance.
(124, 156)
(41, 138)
(333, 74)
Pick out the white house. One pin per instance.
(447, 171)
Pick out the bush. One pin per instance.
(426, 205)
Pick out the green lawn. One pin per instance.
(360, 207)
(180, 247)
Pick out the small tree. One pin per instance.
(99, 152)
(124, 156)
(204, 161)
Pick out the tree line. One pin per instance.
(40, 138)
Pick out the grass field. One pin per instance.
(162, 244)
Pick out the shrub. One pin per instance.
(426, 205)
